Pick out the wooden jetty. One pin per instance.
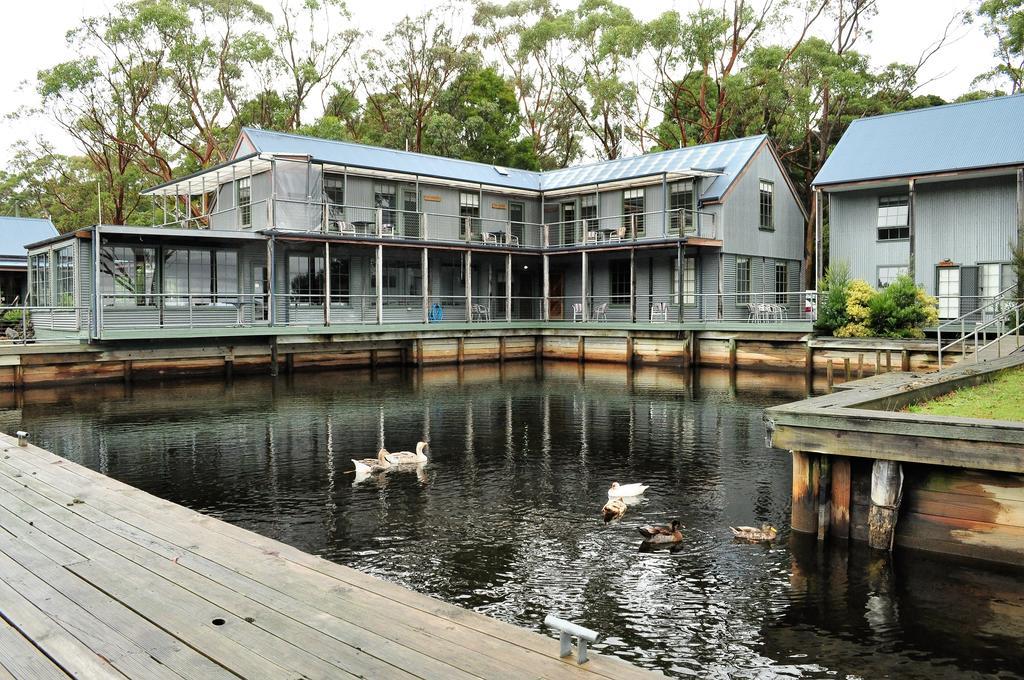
(864, 468)
(99, 579)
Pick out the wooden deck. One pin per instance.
(99, 579)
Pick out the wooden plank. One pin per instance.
(19, 658)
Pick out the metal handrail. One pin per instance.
(1017, 312)
(998, 299)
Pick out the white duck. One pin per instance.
(626, 490)
(366, 466)
(407, 457)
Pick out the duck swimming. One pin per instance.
(366, 466)
(765, 534)
(617, 490)
(662, 534)
(613, 509)
(407, 457)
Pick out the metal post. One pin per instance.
(911, 264)
(819, 263)
(680, 267)
(425, 283)
(327, 283)
(97, 295)
(508, 287)
(379, 267)
(664, 205)
(545, 312)
(271, 281)
(468, 261)
(583, 284)
(632, 285)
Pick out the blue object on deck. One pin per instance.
(436, 313)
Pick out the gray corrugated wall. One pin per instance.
(969, 222)
(853, 235)
(742, 213)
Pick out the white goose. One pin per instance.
(366, 466)
(626, 490)
(408, 457)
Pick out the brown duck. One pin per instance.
(663, 534)
(765, 534)
(613, 509)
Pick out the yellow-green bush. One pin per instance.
(854, 330)
(858, 297)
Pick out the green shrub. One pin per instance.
(12, 315)
(832, 293)
(901, 310)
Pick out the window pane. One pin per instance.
(632, 210)
(245, 201)
(742, 280)
(767, 205)
(781, 282)
(619, 282)
(681, 203)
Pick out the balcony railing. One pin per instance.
(391, 223)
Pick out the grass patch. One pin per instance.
(1000, 399)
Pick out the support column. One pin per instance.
(545, 313)
(583, 284)
(327, 283)
(469, 284)
(840, 511)
(508, 287)
(271, 281)
(805, 492)
(911, 219)
(425, 278)
(1020, 222)
(379, 271)
(886, 493)
(632, 285)
(819, 264)
(680, 267)
(824, 496)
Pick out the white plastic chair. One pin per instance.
(387, 230)
(577, 311)
(659, 311)
(601, 312)
(347, 228)
(513, 240)
(480, 313)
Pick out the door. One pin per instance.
(556, 290)
(260, 288)
(516, 218)
(410, 214)
(949, 292)
(568, 222)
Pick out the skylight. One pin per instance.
(501, 171)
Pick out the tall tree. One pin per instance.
(1004, 21)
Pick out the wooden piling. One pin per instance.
(581, 349)
(809, 360)
(695, 351)
(878, 361)
(289, 362)
(804, 513)
(846, 368)
(419, 353)
(904, 360)
(828, 374)
(629, 351)
(860, 366)
(273, 359)
(229, 368)
(501, 349)
(824, 494)
(840, 499)
(127, 372)
(732, 354)
(373, 359)
(886, 489)
(888, 361)
(460, 354)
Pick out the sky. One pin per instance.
(33, 37)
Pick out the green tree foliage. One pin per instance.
(833, 290)
(901, 310)
(1004, 21)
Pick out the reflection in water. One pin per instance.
(505, 518)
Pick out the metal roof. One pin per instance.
(970, 135)
(724, 160)
(18, 232)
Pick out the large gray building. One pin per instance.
(297, 233)
(937, 193)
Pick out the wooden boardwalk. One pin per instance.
(99, 579)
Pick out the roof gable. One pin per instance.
(17, 232)
(970, 135)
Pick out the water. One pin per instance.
(505, 518)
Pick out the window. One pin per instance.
(742, 280)
(244, 192)
(128, 276)
(767, 204)
(893, 218)
(469, 214)
(340, 280)
(990, 279)
(781, 283)
(401, 279)
(199, 276)
(689, 280)
(65, 277)
(306, 279)
(889, 273)
(682, 206)
(619, 282)
(334, 195)
(633, 211)
(949, 292)
(384, 198)
(588, 211)
(39, 294)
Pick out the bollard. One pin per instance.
(22, 438)
(567, 631)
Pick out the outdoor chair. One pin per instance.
(347, 228)
(577, 311)
(489, 237)
(601, 312)
(480, 313)
(387, 230)
(659, 311)
(617, 235)
(591, 237)
(513, 240)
